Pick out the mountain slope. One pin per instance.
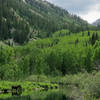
(21, 20)
(97, 22)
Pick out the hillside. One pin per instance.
(59, 55)
(43, 48)
(97, 22)
(22, 20)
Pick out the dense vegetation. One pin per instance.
(60, 55)
(68, 59)
(41, 42)
(21, 21)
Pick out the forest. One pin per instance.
(64, 58)
(63, 53)
(44, 46)
(20, 22)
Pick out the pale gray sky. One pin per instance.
(86, 9)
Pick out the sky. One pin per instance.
(87, 9)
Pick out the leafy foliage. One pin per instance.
(61, 55)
